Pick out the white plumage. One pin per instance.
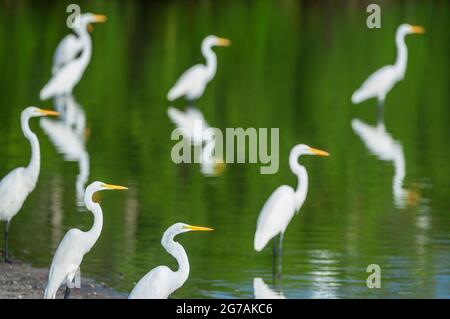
(384, 79)
(161, 281)
(192, 83)
(76, 244)
(281, 206)
(20, 182)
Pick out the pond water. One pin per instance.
(292, 65)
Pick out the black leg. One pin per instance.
(380, 111)
(274, 261)
(67, 293)
(280, 254)
(7, 260)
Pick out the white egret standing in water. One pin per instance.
(281, 206)
(161, 281)
(383, 80)
(75, 244)
(68, 75)
(192, 83)
(15, 187)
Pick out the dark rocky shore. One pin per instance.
(21, 281)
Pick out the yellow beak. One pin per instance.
(198, 228)
(117, 187)
(319, 152)
(48, 112)
(100, 18)
(223, 42)
(417, 29)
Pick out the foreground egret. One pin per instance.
(75, 244)
(383, 80)
(192, 82)
(67, 76)
(15, 187)
(281, 206)
(161, 281)
(197, 132)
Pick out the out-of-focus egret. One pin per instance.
(281, 206)
(67, 75)
(75, 244)
(383, 80)
(197, 131)
(381, 144)
(262, 291)
(192, 83)
(161, 281)
(15, 187)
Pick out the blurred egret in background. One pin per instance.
(68, 136)
(192, 83)
(380, 143)
(67, 69)
(262, 291)
(284, 202)
(197, 132)
(161, 281)
(383, 80)
(15, 187)
(75, 244)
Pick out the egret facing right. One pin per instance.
(20, 182)
(382, 81)
(284, 202)
(161, 281)
(192, 82)
(75, 244)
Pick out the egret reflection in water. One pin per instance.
(68, 135)
(262, 291)
(197, 132)
(381, 144)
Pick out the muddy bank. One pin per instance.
(21, 281)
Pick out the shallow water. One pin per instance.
(292, 65)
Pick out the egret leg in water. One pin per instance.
(380, 111)
(277, 256)
(6, 257)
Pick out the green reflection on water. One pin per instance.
(292, 65)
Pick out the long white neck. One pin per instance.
(211, 60)
(178, 252)
(402, 54)
(86, 41)
(35, 162)
(302, 175)
(93, 234)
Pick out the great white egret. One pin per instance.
(281, 206)
(192, 83)
(15, 187)
(67, 76)
(381, 144)
(161, 281)
(197, 132)
(383, 80)
(75, 244)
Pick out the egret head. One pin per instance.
(180, 228)
(100, 186)
(33, 111)
(212, 40)
(302, 149)
(85, 20)
(410, 29)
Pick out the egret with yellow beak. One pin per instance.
(20, 182)
(161, 281)
(192, 83)
(382, 81)
(284, 202)
(75, 244)
(68, 70)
